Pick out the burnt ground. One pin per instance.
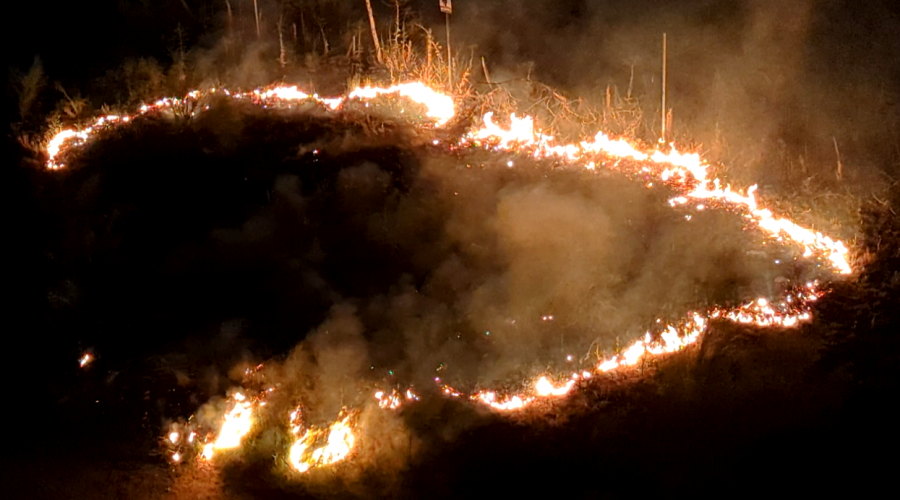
(748, 410)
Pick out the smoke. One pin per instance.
(767, 87)
(393, 263)
(357, 259)
(347, 260)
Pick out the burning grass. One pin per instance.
(734, 334)
(510, 157)
(347, 139)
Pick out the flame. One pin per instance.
(440, 106)
(790, 312)
(394, 399)
(85, 359)
(686, 173)
(237, 423)
(303, 454)
(543, 388)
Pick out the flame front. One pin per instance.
(304, 454)
(686, 173)
(237, 423)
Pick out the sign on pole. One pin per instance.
(446, 6)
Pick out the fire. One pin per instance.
(440, 107)
(791, 311)
(394, 399)
(686, 173)
(543, 388)
(85, 359)
(304, 454)
(238, 422)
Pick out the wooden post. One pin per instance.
(487, 76)
(256, 15)
(374, 32)
(839, 171)
(282, 57)
(449, 53)
(230, 20)
(664, 111)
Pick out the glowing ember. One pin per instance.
(173, 437)
(85, 359)
(338, 444)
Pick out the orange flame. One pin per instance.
(237, 423)
(338, 444)
(687, 173)
(85, 359)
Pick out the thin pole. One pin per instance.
(256, 14)
(374, 31)
(662, 137)
(449, 54)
